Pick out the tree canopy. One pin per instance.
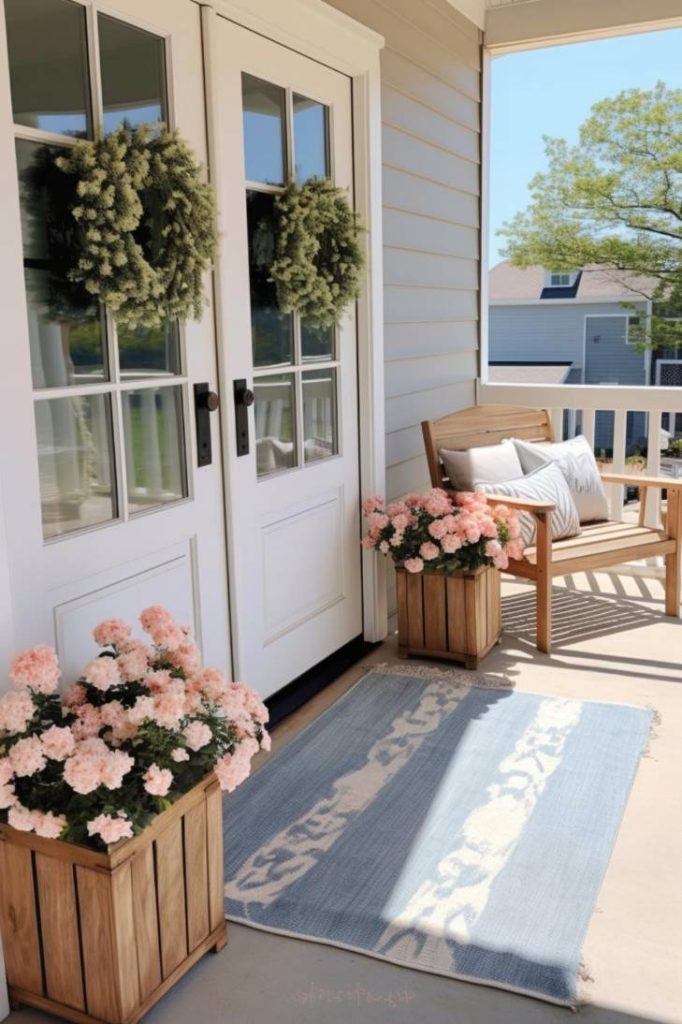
(614, 200)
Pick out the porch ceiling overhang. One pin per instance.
(512, 24)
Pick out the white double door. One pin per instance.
(293, 497)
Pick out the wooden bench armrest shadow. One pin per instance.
(598, 546)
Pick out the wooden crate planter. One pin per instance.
(95, 937)
(457, 617)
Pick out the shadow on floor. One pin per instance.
(577, 616)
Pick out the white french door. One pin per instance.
(293, 507)
(105, 506)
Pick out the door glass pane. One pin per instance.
(154, 446)
(271, 331)
(319, 414)
(311, 149)
(263, 105)
(76, 464)
(66, 325)
(133, 74)
(67, 342)
(48, 64)
(149, 351)
(317, 343)
(275, 423)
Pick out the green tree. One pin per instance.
(614, 199)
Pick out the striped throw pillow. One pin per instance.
(547, 483)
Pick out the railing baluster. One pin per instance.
(619, 434)
(653, 467)
(587, 416)
(557, 417)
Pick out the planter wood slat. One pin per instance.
(456, 617)
(59, 931)
(98, 938)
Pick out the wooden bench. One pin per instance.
(598, 546)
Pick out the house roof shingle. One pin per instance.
(516, 284)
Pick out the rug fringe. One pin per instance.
(656, 721)
(458, 677)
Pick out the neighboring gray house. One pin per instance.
(577, 324)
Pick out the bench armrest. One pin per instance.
(521, 504)
(636, 480)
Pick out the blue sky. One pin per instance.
(550, 92)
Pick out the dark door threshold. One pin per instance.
(298, 691)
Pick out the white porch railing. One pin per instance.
(582, 402)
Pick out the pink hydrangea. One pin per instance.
(438, 529)
(186, 657)
(158, 781)
(232, 769)
(169, 706)
(109, 828)
(451, 543)
(372, 503)
(142, 709)
(429, 551)
(154, 616)
(48, 825)
(265, 741)
(213, 683)
(27, 757)
(83, 770)
(111, 633)
(437, 502)
(7, 796)
(179, 754)
(16, 711)
(162, 628)
(58, 742)
(255, 706)
(74, 694)
(88, 722)
(113, 767)
(21, 818)
(102, 673)
(414, 565)
(37, 669)
(197, 735)
(132, 665)
(6, 770)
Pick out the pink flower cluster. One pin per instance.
(145, 720)
(449, 531)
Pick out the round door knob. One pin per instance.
(248, 397)
(209, 400)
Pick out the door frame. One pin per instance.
(324, 34)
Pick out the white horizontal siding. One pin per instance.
(431, 154)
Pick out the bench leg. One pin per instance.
(543, 540)
(673, 570)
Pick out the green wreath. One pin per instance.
(318, 259)
(146, 224)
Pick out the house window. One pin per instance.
(110, 404)
(560, 280)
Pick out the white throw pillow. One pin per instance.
(579, 466)
(489, 464)
(545, 484)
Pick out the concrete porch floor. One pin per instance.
(612, 643)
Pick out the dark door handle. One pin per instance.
(243, 398)
(205, 402)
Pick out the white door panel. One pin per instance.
(80, 434)
(295, 556)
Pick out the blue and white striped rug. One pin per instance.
(459, 830)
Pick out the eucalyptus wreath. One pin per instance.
(318, 259)
(146, 224)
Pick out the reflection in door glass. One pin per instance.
(275, 419)
(271, 331)
(48, 65)
(263, 105)
(311, 149)
(133, 74)
(149, 351)
(317, 343)
(319, 414)
(154, 446)
(76, 464)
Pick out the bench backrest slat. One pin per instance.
(479, 426)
